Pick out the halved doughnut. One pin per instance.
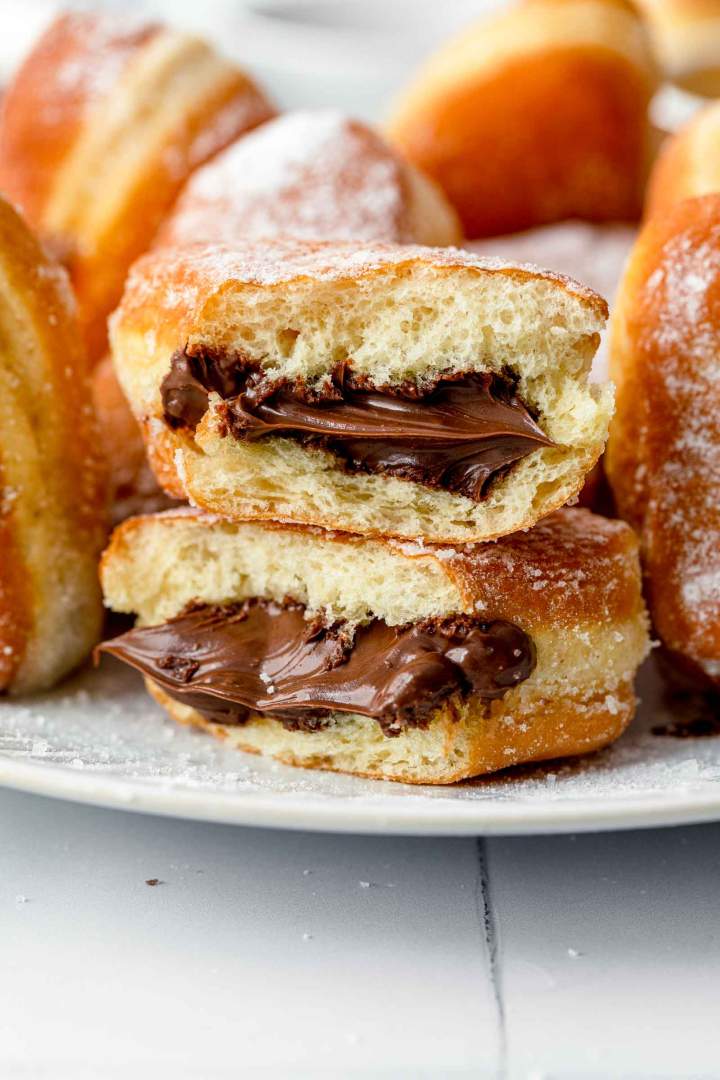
(400, 391)
(99, 130)
(392, 660)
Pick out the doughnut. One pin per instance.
(52, 498)
(100, 128)
(132, 486)
(663, 458)
(313, 175)
(385, 390)
(686, 39)
(391, 660)
(535, 114)
(688, 164)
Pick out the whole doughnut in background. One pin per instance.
(663, 457)
(52, 483)
(534, 115)
(313, 174)
(686, 39)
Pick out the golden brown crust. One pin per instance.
(76, 61)
(492, 738)
(169, 289)
(15, 598)
(663, 458)
(96, 182)
(317, 175)
(688, 164)
(573, 566)
(572, 583)
(52, 497)
(535, 115)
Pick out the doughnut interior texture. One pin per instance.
(572, 583)
(395, 315)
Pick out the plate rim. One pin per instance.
(358, 815)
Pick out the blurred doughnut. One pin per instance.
(688, 164)
(535, 115)
(100, 128)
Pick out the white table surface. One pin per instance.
(268, 954)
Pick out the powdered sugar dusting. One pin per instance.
(678, 341)
(312, 175)
(561, 569)
(103, 738)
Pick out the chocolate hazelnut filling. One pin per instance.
(458, 434)
(262, 657)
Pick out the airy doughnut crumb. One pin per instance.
(587, 623)
(395, 314)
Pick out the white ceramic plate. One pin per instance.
(101, 740)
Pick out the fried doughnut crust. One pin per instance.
(572, 583)
(100, 128)
(688, 164)
(663, 458)
(52, 483)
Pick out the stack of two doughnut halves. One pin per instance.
(375, 573)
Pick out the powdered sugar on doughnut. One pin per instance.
(312, 175)
(681, 346)
(81, 58)
(551, 567)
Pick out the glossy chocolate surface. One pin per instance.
(457, 435)
(260, 656)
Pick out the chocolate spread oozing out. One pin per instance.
(457, 434)
(260, 656)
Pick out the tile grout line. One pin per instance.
(489, 928)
